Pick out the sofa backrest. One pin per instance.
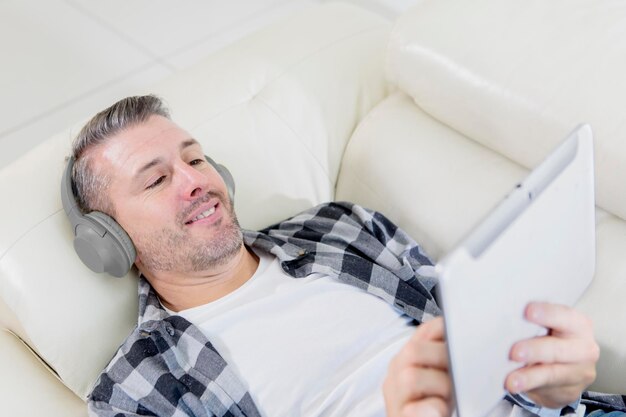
(517, 76)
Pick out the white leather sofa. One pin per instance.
(431, 120)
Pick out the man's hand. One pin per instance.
(559, 366)
(417, 382)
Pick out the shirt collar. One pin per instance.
(150, 309)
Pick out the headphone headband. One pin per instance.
(68, 199)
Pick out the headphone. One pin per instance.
(100, 242)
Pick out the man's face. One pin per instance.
(172, 203)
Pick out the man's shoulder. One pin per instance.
(353, 216)
(330, 212)
(163, 364)
(132, 352)
(336, 223)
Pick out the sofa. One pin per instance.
(430, 119)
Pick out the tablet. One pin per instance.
(538, 244)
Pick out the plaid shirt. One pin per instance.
(167, 367)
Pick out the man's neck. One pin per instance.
(179, 292)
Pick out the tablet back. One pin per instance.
(537, 245)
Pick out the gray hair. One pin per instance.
(91, 187)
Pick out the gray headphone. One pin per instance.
(100, 242)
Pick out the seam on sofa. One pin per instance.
(20, 237)
(322, 48)
(362, 125)
(36, 355)
(351, 172)
(302, 143)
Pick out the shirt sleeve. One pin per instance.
(523, 401)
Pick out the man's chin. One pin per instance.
(194, 248)
(193, 255)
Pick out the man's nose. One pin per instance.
(193, 182)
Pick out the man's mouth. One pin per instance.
(204, 212)
(202, 215)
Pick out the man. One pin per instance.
(225, 329)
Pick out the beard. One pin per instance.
(176, 249)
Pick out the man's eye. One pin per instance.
(156, 183)
(196, 161)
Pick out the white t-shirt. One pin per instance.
(305, 347)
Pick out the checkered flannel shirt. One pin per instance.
(167, 367)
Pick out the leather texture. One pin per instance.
(289, 111)
(444, 182)
(18, 365)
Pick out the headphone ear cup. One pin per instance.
(113, 252)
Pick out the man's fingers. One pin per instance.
(422, 354)
(430, 407)
(560, 365)
(425, 348)
(418, 380)
(558, 318)
(534, 377)
(420, 383)
(430, 330)
(549, 349)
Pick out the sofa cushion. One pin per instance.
(517, 76)
(430, 179)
